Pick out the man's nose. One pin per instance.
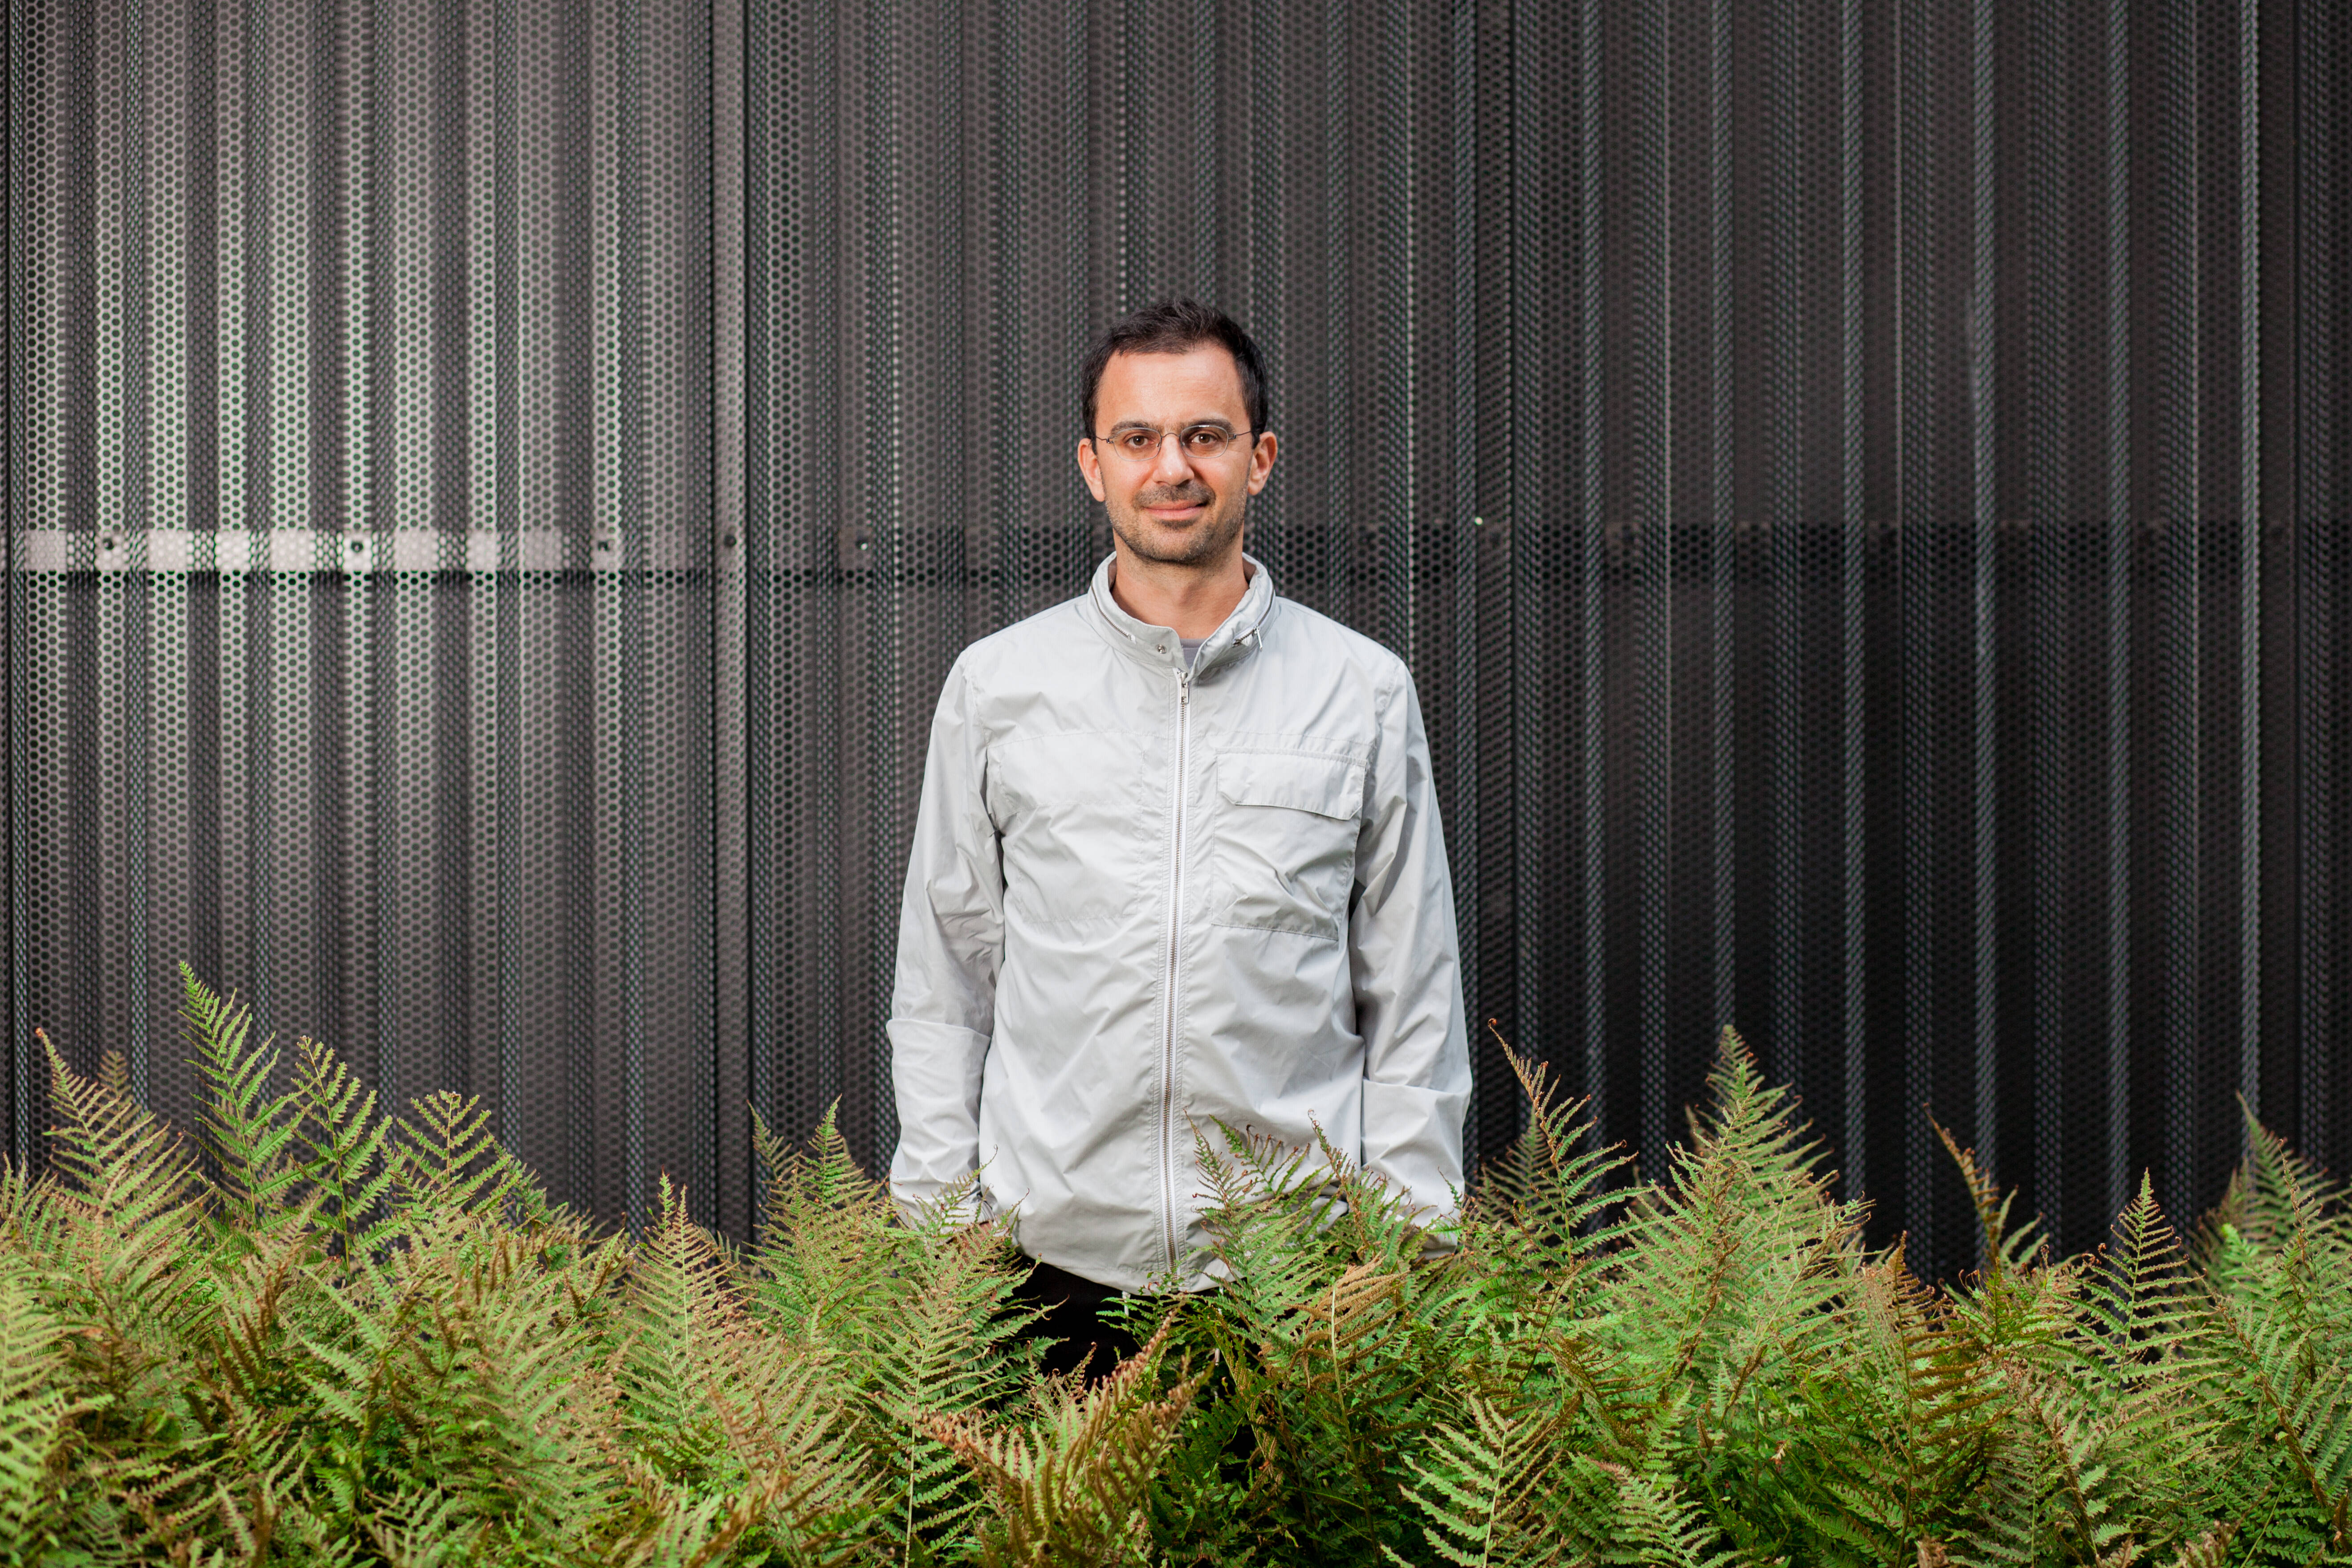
(1169, 466)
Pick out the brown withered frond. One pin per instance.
(1069, 1489)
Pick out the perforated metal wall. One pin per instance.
(492, 488)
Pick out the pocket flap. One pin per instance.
(1328, 786)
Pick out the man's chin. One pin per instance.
(1197, 546)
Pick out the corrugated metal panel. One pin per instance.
(492, 488)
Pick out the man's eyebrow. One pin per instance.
(1219, 420)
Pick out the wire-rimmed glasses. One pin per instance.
(1199, 443)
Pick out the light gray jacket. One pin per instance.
(1142, 902)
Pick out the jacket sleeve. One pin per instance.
(1406, 964)
(951, 942)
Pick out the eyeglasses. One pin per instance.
(1141, 444)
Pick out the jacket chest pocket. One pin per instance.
(1285, 842)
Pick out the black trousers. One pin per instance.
(1075, 1335)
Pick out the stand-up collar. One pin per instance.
(1158, 645)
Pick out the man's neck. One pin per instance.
(1190, 601)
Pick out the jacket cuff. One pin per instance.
(935, 1071)
(1413, 1136)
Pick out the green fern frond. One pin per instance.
(247, 1130)
(687, 1531)
(2281, 1395)
(345, 1144)
(2007, 1529)
(251, 1501)
(26, 1222)
(1264, 1221)
(1486, 1485)
(2088, 1495)
(1330, 1338)
(826, 1230)
(1361, 1217)
(810, 1186)
(2291, 1203)
(1736, 1263)
(682, 1305)
(128, 1203)
(446, 1157)
(2141, 1291)
(716, 1400)
(171, 1492)
(948, 1350)
(1660, 1525)
(117, 1160)
(1535, 1202)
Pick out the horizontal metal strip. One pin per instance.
(312, 550)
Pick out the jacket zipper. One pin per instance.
(1175, 938)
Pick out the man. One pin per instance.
(1177, 862)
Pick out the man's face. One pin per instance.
(1167, 504)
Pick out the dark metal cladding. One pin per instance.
(492, 488)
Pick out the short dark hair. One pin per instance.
(1170, 327)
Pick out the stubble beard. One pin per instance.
(1205, 541)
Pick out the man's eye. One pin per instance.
(1136, 443)
(1204, 439)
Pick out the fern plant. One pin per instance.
(315, 1330)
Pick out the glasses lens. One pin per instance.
(1198, 441)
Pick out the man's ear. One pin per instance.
(1090, 467)
(1261, 462)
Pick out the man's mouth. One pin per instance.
(1176, 510)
